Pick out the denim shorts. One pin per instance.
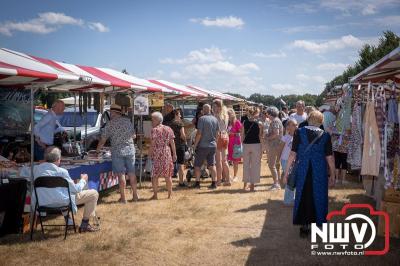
(123, 164)
(203, 154)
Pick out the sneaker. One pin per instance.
(88, 229)
(196, 185)
(275, 187)
(213, 186)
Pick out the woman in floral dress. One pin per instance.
(162, 143)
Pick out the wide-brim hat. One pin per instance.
(325, 107)
(116, 108)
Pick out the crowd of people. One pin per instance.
(288, 138)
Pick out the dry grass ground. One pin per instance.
(196, 227)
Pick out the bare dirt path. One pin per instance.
(196, 227)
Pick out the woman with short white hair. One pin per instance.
(312, 149)
(162, 144)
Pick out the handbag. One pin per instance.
(223, 140)
(237, 151)
(292, 176)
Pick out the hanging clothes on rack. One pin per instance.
(354, 156)
(380, 110)
(393, 139)
(393, 116)
(372, 146)
(343, 117)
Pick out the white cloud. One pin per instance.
(213, 68)
(283, 87)
(222, 22)
(271, 55)
(212, 54)
(176, 75)
(221, 67)
(46, 23)
(58, 19)
(368, 10)
(332, 66)
(304, 77)
(309, 28)
(98, 26)
(348, 41)
(304, 7)
(365, 7)
(390, 21)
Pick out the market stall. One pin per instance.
(370, 111)
(22, 76)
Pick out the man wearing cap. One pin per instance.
(121, 132)
(45, 129)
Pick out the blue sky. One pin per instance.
(269, 47)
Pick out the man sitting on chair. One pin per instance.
(59, 196)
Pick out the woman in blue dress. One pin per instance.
(313, 148)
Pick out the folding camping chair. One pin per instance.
(52, 182)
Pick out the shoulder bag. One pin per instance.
(291, 181)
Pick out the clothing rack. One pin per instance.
(390, 89)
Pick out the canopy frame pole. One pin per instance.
(32, 107)
(74, 117)
(141, 151)
(86, 121)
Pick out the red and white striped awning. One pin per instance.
(18, 70)
(105, 77)
(21, 70)
(215, 94)
(387, 68)
(183, 90)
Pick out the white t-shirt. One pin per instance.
(299, 118)
(288, 139)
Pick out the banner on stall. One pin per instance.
(15, 114)
(156, 99)
(141, 105)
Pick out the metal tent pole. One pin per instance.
(32, 215)
(75, 118)
(141, 151)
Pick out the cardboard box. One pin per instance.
(393, 209)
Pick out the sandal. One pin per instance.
(122, 201)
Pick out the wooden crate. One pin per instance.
(392, 195)
(393, 209)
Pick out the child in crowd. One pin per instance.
(286, 146)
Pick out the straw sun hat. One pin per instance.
(116, 108)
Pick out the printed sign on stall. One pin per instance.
(141, 105)
(156, 99)
(15, 114)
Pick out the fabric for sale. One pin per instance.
(372, 146)
(354, 157)
(380, 110)
(343, 118)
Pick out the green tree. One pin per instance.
(368, 55)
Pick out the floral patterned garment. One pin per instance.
(354, 157)
(120, 130)
(162, 159)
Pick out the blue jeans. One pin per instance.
(288, 198)
(38, 152)
(123, 164)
